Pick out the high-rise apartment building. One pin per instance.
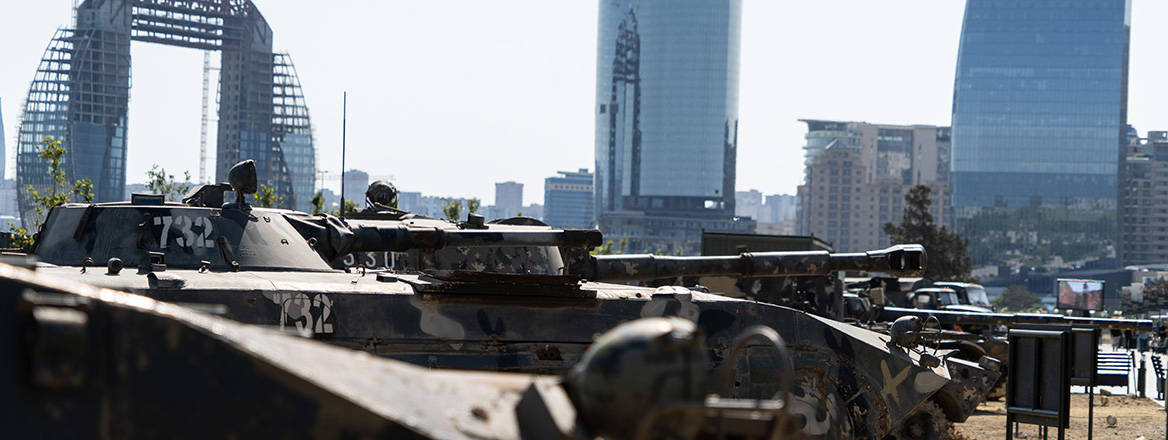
(858, 173)
(666, 120)
(567, 200)
(1143, 211)
(508, 199)
(1039, 118)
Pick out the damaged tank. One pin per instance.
(512, 296)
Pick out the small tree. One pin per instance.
(452, 209)
(604, 249)
(350, 206)
(947, 256)
(1016, 298)
(266, 197)
(318, 202)
(59, 192)
(158, 182)
(472, 206)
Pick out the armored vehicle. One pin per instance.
(509, 296)
(84, 362)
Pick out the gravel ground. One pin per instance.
(1135, 418)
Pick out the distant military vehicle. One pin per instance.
(506, 296)
(970, 297)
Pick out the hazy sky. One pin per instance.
(449, 97)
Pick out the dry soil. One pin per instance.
(1135, 417)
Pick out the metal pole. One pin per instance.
(344, 127)
(1090, 411)
(1142, 378)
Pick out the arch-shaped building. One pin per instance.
(81, 90)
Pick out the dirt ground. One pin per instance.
(1135, 418)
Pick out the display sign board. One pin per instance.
(1079, 294)
(1038, 389)
(1085, 346)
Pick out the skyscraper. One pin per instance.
(666, 118)
(1039, 119)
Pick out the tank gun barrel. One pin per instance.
(399, 238)
(994, 319)
(900, 260)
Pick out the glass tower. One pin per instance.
(1039, 118)
(667, 106)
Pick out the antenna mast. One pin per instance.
(344, 127)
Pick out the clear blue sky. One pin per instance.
(452, 96)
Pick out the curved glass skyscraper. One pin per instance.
(1039, 118)
(80, 96)
(667, 109)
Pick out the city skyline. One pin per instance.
(901, 72)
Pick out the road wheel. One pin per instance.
(928, 422)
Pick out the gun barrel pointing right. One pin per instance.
(974, 318)
(900, 260)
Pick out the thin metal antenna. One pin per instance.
(344, 127)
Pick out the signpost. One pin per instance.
(1085, 343)
(1038, 390)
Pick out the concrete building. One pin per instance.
(567, 200)
(666, 119)
(356, 182)
(858, 173)
(534, 210)
(748, 204)
(779, 208)
(508, 199)
(1143, 211)
(1039, 119)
